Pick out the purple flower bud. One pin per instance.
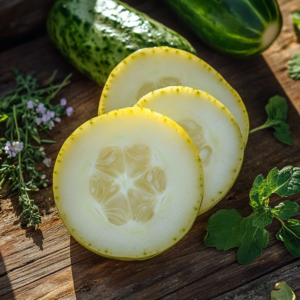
(50, 114)
(63, 102)
(41, 108)
(38, 121)
(69, 111)
(30, 104)
(58, 119)
(51, 125)
(47, 162)
(45, 118)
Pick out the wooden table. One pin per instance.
(48, 264)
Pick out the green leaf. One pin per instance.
(3, 118)
(225, 229)
(262, 217)
(253, 241)
(282, 292)
(277, 109)
(284, 183)
(48, 141)
(294, 67)
(296, 21)
(283, 133)
(36, 138)
(277, 113)
(286, 210)
(290, 235)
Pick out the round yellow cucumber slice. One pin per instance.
(153, 68)
(128, 184)
(213, 130)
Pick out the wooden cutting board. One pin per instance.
(49, 264)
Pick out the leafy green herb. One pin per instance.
(227, 229)
(296, 21)
(277, 113)
(294, 67)
(282, 292)
(24, 111)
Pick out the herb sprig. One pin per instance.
(24, 112)
(227, 229)
(277, 114)
(294, 67)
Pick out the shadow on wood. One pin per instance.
(5, 285)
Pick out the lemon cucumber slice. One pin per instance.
(213, 130)
(128, 184)
(153, 68)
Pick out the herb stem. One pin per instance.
(19, 155)
(260, 127)
(283, 224)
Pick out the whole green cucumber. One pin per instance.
(240, 28)
(96, 35)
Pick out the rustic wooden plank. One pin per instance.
(261, 289)
(48, 264)
(286, 45)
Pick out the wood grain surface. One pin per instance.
(49, 264)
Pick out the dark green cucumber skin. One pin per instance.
(234, 27)
(96, 35)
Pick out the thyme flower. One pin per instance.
(20, 146)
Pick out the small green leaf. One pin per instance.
(253, 241)
(294, 67)
(290, 235)
(277, 113)
(36, 138)
(277, 109)
(225, 229)
(48, 141)
(3, 118)
(262, 217)
(283, 133)
(284, 183)
(286, 210)
(296, 21)
(282, 292)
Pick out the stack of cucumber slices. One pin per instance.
(167, 145)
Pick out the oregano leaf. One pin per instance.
(225, 229)
(284, 183)
(286, 210)
(254, 240)
(290, 235)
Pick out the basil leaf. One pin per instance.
(282, 292)
(294, 67)
(225, 229)
(262, 217)
(284, 183)
(253, 241)
(286, 210)
(290, 235)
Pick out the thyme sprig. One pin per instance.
(25, 111)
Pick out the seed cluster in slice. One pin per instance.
(153, 68)
(128, 184)
(213, 130)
